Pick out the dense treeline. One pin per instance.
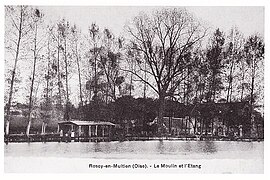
(61, 73)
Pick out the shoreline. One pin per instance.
(18, 138)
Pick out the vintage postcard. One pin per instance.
(148, 89)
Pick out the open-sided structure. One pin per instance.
(86, 128)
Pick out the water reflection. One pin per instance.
(140, 149)
(97, 147)
(160, 147)
(187, 147)
(209, 147)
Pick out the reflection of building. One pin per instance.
(86, 128)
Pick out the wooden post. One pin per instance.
(109, 131)
(96, 133)
(80, 130)
(103, 131)
(90, 131)
(240, 131)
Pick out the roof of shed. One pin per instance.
(87, 123)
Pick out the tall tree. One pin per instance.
(233, 56)
(109, 61)
(254, 53)
(77, 55)
(55, 72)
(94, 37)
(166, 38)
(37, 17)
(215, 57)
(18, 19)
(48, 78)
(64, 29)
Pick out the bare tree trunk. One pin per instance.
(229, 90)
(66, 69)
(47, 88)
(14, 72)
(212, 126)
(79, 73)
(161, 113)
(114, 91)
(107, 93)
(186, 126)
(43, 128)
(252, 86)
(252, 120)
(242, 81)
(131, 79)
(144, 87)
(32, 84)
(206, 123)
(201, 126)
(95, 71)
(80, 81)
(195, 125)
(58, 70)
(214, 89)
(108, 83)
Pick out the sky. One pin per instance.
(249, 19)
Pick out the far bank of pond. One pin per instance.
(57, 138)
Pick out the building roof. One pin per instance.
(87, 123)
(165, 119)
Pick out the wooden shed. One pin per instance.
(86, 128)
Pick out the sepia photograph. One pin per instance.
(175, 89)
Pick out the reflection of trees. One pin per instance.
(209, 147)
(187, 147)
(160, 147)
(97, 147)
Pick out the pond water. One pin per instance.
(139, 150)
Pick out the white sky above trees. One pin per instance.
(247, 18)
